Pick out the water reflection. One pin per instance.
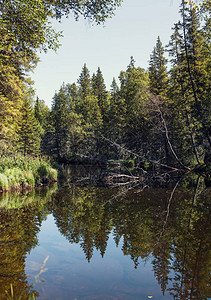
(21, 217)
(172, 228)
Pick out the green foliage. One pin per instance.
(99, 90)
(189, 92)
(25, 171)
(15, 176)
(46, 171)
(84, 82)
(158, 70)
(3, 182)
(28, 131)
(134, 89)
(29, 178)
(75, 121)
(95, 11)
(25, 30)
(162, 118)
(129, 163)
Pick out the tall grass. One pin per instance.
(25, 171)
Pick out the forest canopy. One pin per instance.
(25, 30)
(159, 116)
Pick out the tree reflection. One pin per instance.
(18, 235)
(83, 216)
(171, 229)
(191, 248)
(179, 250)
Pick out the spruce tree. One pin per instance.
(134, 89)
(37, 111)
(189, 84)
(157, 70)
(59, 114)
(84, 82)
(28, 131)
(117, 114)
(99, 90)
(73, 96)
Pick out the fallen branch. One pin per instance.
(167, 136)
(139, 156)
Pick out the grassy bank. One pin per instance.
(25, 172)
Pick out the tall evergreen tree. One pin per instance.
(189, 83)
(28, 131)
(59, 115)
(114, 88)
(99, 90)
(158, 79)
(84, 82)
(37, 111)
(116, 114)
(73, 96)
(66, 135)
(134, 88)
(157, 70)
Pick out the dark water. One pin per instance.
(98, 243)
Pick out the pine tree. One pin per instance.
(84, 82)
(117, 113)
(73, 96)
(189, 84)
(134, 88)
(59, 116)
(37, 111)
(114, 88)
(99, 90)
(90, 111)
(158, 79)
(28, 132)
(157, 70)
(66, 134)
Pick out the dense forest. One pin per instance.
(157, 117)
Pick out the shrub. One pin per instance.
(51, 173)
(42, 171)
(4, 185)
(31, 170)
(14, 176)
(29, 178)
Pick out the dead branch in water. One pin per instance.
(117, 180)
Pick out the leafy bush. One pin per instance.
(29, 178)
(3, 182)
(52, 173)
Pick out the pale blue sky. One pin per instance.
(131, 32)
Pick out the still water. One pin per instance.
(97, 243)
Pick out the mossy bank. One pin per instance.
(24, 172)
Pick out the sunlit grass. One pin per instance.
(22, 172)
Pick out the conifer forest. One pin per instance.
(105, 194)
(156, 117)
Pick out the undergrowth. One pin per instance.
(25, 171)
